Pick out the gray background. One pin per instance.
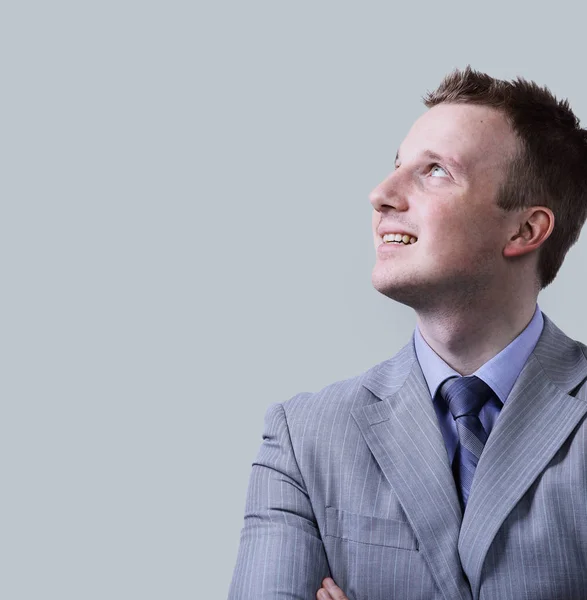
(185, 239)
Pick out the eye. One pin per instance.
(438, 171)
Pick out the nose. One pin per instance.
(389, 193)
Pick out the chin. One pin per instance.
(405, 291)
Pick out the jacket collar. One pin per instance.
(402, 432)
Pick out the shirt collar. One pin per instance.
(500, 372)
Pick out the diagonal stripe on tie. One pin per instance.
(465, 397)
(469, 440)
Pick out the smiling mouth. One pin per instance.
(398, 238)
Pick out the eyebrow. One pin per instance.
(454, 164)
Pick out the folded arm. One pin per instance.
(281, 554)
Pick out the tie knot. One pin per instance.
(466, 396)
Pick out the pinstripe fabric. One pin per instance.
(354, 482)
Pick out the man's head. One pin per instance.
(492, 181)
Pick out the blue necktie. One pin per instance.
(465, 397)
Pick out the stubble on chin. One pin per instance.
(404, 290)
(458, 290)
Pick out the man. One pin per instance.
(458, 468)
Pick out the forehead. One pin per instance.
(474, 136)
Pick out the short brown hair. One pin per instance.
(551, 169)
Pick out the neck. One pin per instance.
(467, 338)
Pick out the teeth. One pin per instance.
(398, 237)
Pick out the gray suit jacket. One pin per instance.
(354, 482)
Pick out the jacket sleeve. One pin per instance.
(281, 554)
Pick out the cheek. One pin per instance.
(452, 236)
(444, 226)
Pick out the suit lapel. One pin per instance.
(403, 435)
(537, 418)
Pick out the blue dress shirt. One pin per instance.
(500, 373)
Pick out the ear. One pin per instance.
(534, 227)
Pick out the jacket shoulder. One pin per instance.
(340, 396)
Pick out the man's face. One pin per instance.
(443, 193)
